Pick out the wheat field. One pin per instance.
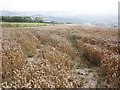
(60, 56)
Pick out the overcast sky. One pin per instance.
(83, 6)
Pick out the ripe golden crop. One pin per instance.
(46, 57)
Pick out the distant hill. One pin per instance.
(69, 17)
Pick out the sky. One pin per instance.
(83, 6)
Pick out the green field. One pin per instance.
(21, 24)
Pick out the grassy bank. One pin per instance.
(21, 24)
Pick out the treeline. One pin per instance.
(20, 19)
